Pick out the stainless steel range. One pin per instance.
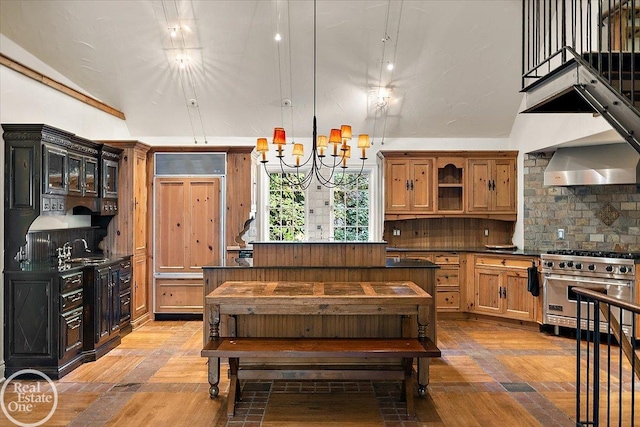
(611, 272)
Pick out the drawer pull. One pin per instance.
(76, 326)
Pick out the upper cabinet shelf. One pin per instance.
(480, 184)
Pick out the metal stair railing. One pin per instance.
(603, 36)
(605, 385)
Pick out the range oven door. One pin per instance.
(560, 302)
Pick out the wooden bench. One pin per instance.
(405, 349)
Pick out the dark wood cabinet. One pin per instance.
(102, 317)
(43, 322)
(124, 286)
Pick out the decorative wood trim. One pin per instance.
(60, 87)
(192, 148)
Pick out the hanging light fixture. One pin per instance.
(318, 169)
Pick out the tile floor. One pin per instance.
(489, 375)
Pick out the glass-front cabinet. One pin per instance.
(83, 175)
(109, 179)
(55, 170)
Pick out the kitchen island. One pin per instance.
(312, 267)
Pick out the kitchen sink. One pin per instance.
(88, 261)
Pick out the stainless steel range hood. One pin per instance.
(594, 165)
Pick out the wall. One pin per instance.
(577, 210)
(544, 132)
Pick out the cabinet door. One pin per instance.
(487, 291)
(479, 185)
(103, 304)
(75, 174)
(139, 287)
(140, 204)
(397, 186)
(170, 225)
(504, 195)
(114, 301)
(187, 227)
(203, 206)
(518, 303)
(421, 185)
(90, 174)
(29, 326)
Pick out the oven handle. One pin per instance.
(588, 280)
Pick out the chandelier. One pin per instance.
(323, 163)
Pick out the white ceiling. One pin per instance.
(457, 71)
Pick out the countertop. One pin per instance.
(517, 251)
(52, 267)
(390, 263)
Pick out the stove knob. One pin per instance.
(549, 264)
(591, 267)
(609, 268)
(561, 265)
(578, 266)
(570, 264)
(623, 270)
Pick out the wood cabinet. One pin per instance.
(437, 184)
(128, 231)
(448, 276)
(492, 185)
(450, 185)
(188, 237)
(43, 322)
(409, 185)
(500, 287)
(102, 314)
(187, 224)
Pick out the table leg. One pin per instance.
(423, 362)
(213, 370)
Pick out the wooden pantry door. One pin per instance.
(187, 223)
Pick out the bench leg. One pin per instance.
(407, 387)
(213, 375)
(234, 387)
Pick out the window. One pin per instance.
(351, 207)
(286, 209)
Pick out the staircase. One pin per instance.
(572, 64)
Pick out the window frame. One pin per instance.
(369, 173)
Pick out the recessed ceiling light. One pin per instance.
(278, 37)
(389, 66)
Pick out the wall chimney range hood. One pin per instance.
(593, 165)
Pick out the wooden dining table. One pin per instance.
(403, 303)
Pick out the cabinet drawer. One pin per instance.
(125, 307)
(503, 262)
(423, 256)
(441, 259)
(447, 300)
(125, 282)
(172, 297)
(447, 277)
(71, 334)
(71, 300)
(70, 282)
(125, 267)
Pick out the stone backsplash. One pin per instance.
(584, 213)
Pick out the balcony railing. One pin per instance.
(604, 33)
(607, 369)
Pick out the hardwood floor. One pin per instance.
(489, 375)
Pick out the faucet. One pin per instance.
(86, 246)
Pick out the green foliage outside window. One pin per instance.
(351, 208)
(286, 209)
